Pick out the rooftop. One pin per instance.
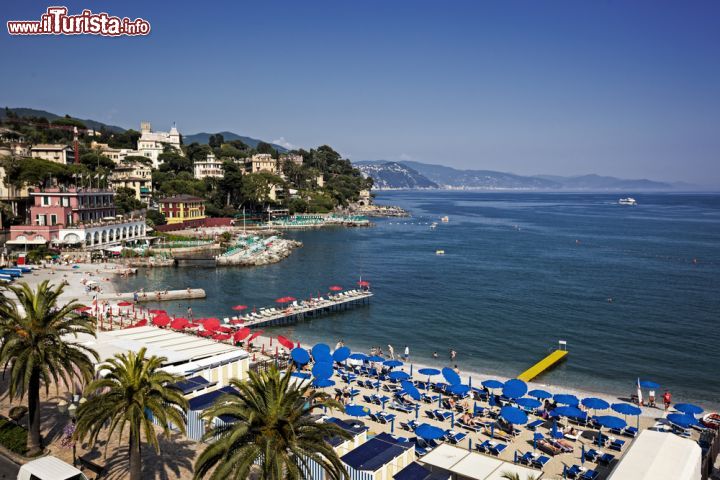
(181, 199)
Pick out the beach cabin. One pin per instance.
(462, 464)
(340, 445)
(196, 426)
(415, 471)
(660, 456)
(380, 458)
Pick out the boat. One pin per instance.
(445, 219)
(439, 252)
(712, 420)
(627, 201)
(433, 225)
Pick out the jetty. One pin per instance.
(552, 359)
(301, 310)
(157, 296)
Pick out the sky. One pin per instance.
(629, 89)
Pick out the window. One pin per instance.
(69, 219)
(40, 219)
(45, 201)
(53, 219)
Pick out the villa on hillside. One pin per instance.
(152, 144)
(58, 153)
(72, 216)
(209, 167)
(136, 176)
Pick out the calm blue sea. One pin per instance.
(520, 272)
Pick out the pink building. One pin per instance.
(70, 216)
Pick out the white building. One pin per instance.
(210, 167)
(152, 144)
(261, 162)
(287, 157)
(55, 152)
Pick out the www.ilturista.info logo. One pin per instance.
(56, 21)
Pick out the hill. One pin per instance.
(388, 175)
(31, 112)
(203, 137)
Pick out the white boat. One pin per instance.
(433, 225)
(627, 201)
(439, 252)
(445, 219)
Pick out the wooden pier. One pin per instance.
(308, 309)
(555, 357)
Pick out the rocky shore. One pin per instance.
(273, 252)
(381, 211)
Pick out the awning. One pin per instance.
(26, 242)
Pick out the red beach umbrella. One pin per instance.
(239, 307)
(224, 329)
(364, 283)
(124, 304)
(285, 299)
(285, 342)
(221, 336)
(237, 322)
(241, 334)
(161, 321)
(205, 333)
(83, 309)
(254, 336)
(156, 312)
(211, 323)
(179, 323)
(336, 288)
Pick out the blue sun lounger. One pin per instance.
(540, 461)
(534, 424)
(497, 449)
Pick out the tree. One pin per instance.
(133, 387)
(94, 161)
(156, 217)
(126, 201)
(272, 423)
(172, 161)
(516, 476)
(257, 187)
(215, 141)
(137, 159)
(264, 147)
(36, 349)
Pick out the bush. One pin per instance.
(13, 436)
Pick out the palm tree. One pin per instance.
(271, 426)
(516, 476)
(132, 386)
(37, 348)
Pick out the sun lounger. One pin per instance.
(606, 458)
(545, 446)
(539, 462)
(592, 454)
(367, 399)
(526, 458)
(483, 447)
(630, 432)
(409, 426)
(384, 417)
(534, 424)
(455, 437)
(572, 472)
(472, 428)
(590, 475)
(617, 444)
(429, 398)
(497, 449)
(401, 408)
(441, 415)
(431, 414)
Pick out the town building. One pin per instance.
(117, 155)
(291, 157)
(261, 162)
(73, 216)
(58, 153)
(182, 208)
(152, 144)
(8, 135)
(133, 175)
(209, 167)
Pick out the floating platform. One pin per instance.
(308, 309)
(546, 363)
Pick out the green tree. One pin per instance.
(272, 424)
(172, 161)
(155, 217)
(516, 476)
(264, 147)
(36, 348)
(94, 161)
(126, 201)
(68, 121)
(257, 187)
(133, 386)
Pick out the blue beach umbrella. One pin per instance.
(341, 354)
(429, 432)
(458, 389)
(555, 433)
(302, 375)
(689, 408)
(322, 370)
(527, 402)
(429, 371)
(595, 403)
(321, 353)
(323, 382)
(514, 415)
(682, 420)
(514, 388)
(609, 421)
(411, 390)
(300, 356)
(541, 394)
(567, 411)
(492, 384)
(626, 409)
(358, 356)
(398, 375)
(375, 359)
(393, 363)
(566, 399)
(451, 376)
(649, 384)
(357, 410)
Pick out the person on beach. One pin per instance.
(651, 398)
(667, 399)
(435, 355)
(453, 354)
(407, 353)
(391, 352)
(190, 313)
(338, 345)
(457, 370)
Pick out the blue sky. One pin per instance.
(557, 87)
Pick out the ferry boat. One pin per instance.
(445, 219)
(627, 201)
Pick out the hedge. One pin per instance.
(13, 437)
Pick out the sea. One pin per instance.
(633, 290)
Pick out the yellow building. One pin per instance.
(133, 175)
(182, 208)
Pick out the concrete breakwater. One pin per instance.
(267, 253)
(156, 296)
